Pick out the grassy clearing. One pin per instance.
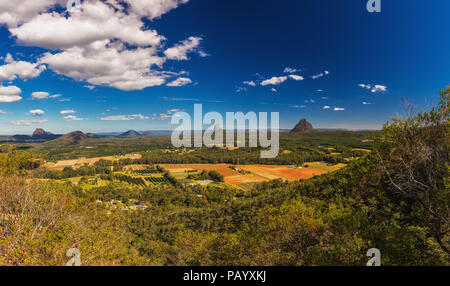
(325, 167)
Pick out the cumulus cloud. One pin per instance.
(43, 95)
(104, 43)
(250, 83)
(377, 88)
(68, 111)
(179, 52)
(152, 9)
(73, 118)
(2, 112)
(13, 14)
(96, 22)
(339, 109)
(10, 94)
(274, 80)
(296, 77)
(28, 122)
(366, 86)
(109, 65)
(181, 81)
(326, 107)
(366, 103)
(37, 112)
(274, 90)
(19, 69)
(124, 117)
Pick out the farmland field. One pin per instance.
(89, 161)
(256, 173)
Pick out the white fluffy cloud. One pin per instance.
(37, 112)
(96, 22)
(19, 69)
(152, 9)
(181, 81)
(12, 14)
(28, 122)
(296, 77)
(250, 83)
(274, 80)
(339, 109)
(124, 117)
(179, 51)
(10, 94)
(110, 65)
(73, 118)
(43, 95)
(326, 107)
(68, 111)
(104, 43)
(377, 88)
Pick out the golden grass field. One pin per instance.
(90, 161)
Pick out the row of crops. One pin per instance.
(141, 181)
(147, 171)
(130, 180)
(156, 180)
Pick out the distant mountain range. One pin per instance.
(38, 134)
(304, 126)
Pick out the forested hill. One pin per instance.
(395, 198)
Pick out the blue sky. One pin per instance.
(228, 55)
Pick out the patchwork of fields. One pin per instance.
(242, 176)
(253, 173)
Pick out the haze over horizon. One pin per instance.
(111, 68)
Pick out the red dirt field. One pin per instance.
(259, 173)
(242, 179)
(274, 172)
